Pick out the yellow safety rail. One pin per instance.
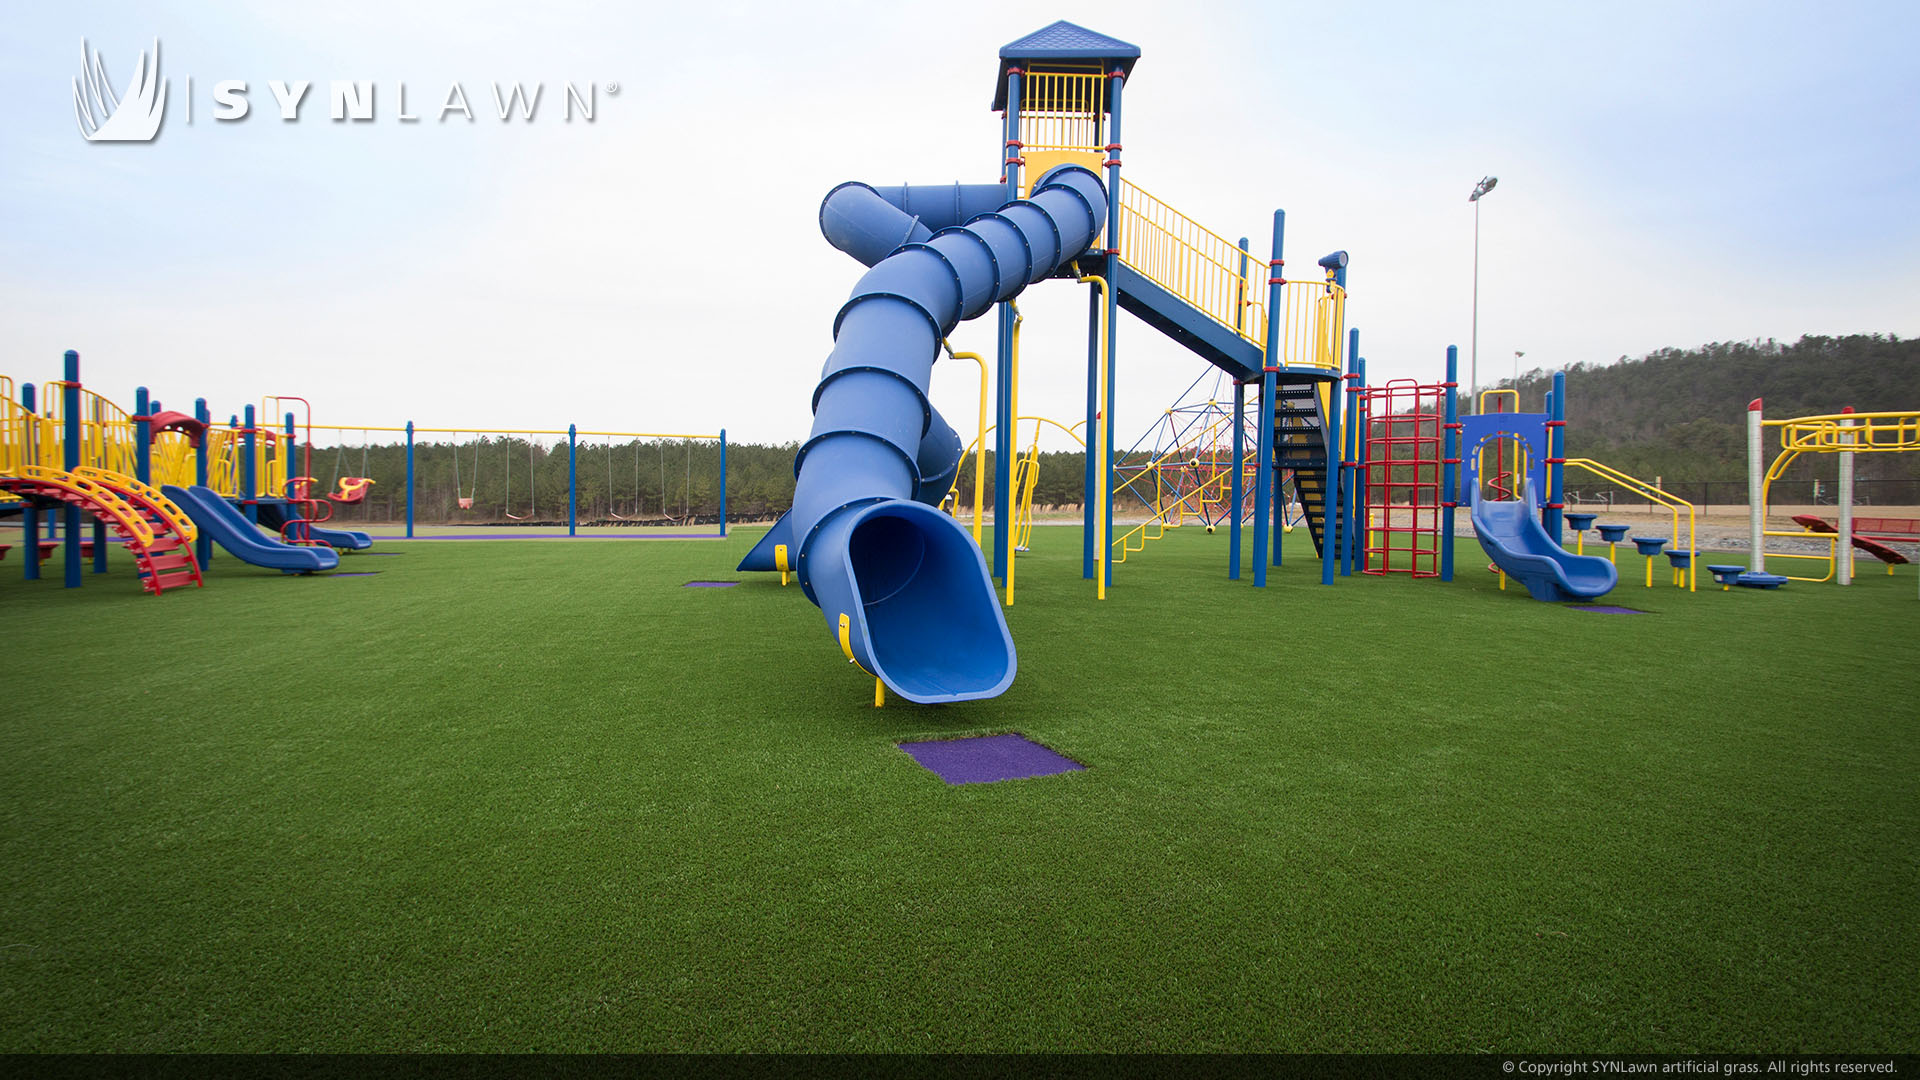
(979, 448)
(106, 430)
(1061, 110)
(976, 447)
(1673, 503)
(19, 433)
(1137, 538)
(1227, 284)
(1193, 262)
(226, 458)
(1883, 432)
(1026, 477)
(173, 461)
(1312, 314)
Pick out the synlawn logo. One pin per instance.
(104, 116)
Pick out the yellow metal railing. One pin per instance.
(172, 461)
(1216, 277)
(1885, 432)
(20, 436)
(1312, 318)
(1062, 111)
(1674, 505)
(1138, 537)
(226, 461)
(106, 431)
(1193, 262)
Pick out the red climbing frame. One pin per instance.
(1402, 506)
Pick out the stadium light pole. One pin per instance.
(1473, 364)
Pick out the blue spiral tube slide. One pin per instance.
(903, 587)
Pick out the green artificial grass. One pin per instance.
(539, 796)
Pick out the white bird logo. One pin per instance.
(103, 116)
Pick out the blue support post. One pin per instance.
(70, 453)
(1450, 464)
(203, 545)
(1115, 80)
(1352, 533)
(573, 481)
(142, 435)
(723, 484)
(1337, 480)
(410, 478)
(1263, 485)
(1557, 457)
(1234, 481)
(29, 516)
(1003, 371)
(249, 476)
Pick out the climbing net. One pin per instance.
(1180, 469)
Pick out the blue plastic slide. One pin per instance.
(242, 539)
(1515, 541)
(273, 516)
(904, 588)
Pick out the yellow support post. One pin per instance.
(980, 442)
(846, 648)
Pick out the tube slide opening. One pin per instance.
(933, 623)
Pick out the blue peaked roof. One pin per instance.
(1062, 41)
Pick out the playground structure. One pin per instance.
(1843, 434)
(161, 482)
(907, 593)
(170, 486)
(1416, 460)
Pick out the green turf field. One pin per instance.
(536, 795)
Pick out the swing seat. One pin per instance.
(466, 504)
(353, 489)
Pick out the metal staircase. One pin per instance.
(1300, 447)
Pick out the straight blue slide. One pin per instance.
(242, 538)
(1514, 539)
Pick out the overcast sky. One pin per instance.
(1670, 174)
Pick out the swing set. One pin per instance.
(469, 463)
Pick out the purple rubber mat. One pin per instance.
(1604, 609)
(986, 758)
(709, 584)
(524, 536)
